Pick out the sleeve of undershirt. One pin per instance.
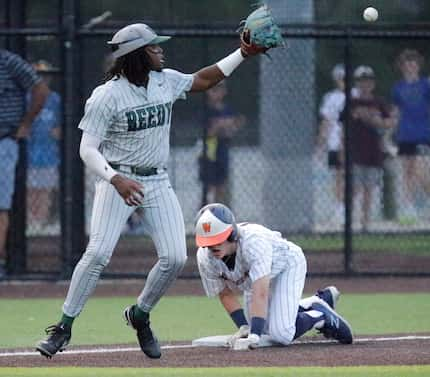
(93, 159)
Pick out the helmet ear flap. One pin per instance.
(233, 235)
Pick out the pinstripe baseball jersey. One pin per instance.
(260, 252)
(134, 122)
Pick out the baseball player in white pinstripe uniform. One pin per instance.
(271, 272)
(125, 141)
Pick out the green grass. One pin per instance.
(185, 318)
(22, 321)
(418, 244)
(390, 371)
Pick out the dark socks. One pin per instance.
(140, 314)
(67, 320)
(305, 322)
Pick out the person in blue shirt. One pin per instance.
(411, 96)
(43, 152)
(17, 77)
(221, 123)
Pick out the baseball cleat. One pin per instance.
(147, 340)
(330, 295)
(59, 336)
(335, 327)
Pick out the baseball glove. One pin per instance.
(259, 32)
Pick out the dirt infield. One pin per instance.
(365, 351)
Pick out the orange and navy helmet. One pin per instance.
(215, 223)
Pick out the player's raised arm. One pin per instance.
(259, 34)
(209, 76)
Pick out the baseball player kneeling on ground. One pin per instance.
(125, 141)
(271, 272)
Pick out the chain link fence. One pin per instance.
(280, 172)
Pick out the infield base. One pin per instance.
(221, 341)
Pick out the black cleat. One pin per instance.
(58, 338)
(147, 340)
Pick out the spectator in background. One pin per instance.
(16, 78)
(330, 133)
(411, 96)
(370, 118)
(43, 153)
(221, 123)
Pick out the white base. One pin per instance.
(221, 341)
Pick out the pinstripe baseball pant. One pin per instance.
(163, 222)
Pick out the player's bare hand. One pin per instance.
(250, 49)
(130, 190)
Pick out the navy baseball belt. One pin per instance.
(137, 170)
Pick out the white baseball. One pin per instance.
(370, 14)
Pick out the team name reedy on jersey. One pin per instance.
(151, 116)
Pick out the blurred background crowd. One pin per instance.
(345, 102)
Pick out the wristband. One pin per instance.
(238, 317)
(230, 62)
(257, 325)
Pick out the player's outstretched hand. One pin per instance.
(243, 344)
(259, 32)
(242, 332)
(130, 190)
(250, 49)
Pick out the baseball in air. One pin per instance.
(370, 14)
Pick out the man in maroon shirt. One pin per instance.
(370, 118)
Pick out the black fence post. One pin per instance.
(17, 241)
(73, 233)
(203, 158)
(348, 250)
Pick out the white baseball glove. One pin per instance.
(243, 344)
(242, 332)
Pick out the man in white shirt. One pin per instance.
(330, 134)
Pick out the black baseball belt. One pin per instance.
(137, 170)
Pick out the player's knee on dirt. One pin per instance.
(282, 334)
